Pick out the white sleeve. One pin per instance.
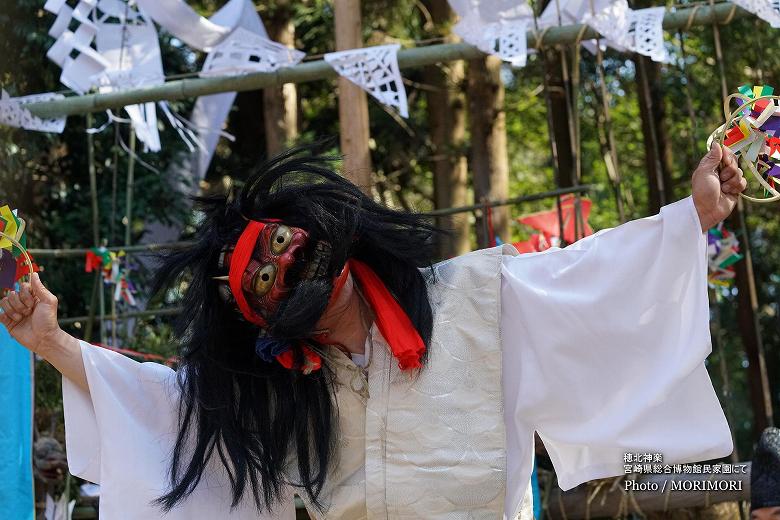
(128, 403)
(120, 435)
(605, 343)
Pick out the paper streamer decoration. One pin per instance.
(97, 258)
(128, 41)
(244, 51)
(126, 54)
(375, 70)
(72, 51)
(179, 19)
(767, 10)
(184, 23)
(567, 12)
(495, 27)
(13, 113)
(622, 28)
(124, 290)
(613, 22)
(722, 254)
(16, 401)
(116, 271)
(646, 33)
(751, 132)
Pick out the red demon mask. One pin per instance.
(259, 266)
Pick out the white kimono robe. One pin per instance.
(603, 350)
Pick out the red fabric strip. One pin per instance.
(394, 324)
(238, 262)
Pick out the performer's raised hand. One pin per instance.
(716, 185)
(30, 316)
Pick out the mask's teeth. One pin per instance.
(319, 264)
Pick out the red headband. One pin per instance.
(238, 262)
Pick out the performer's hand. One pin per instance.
(716, 185)
(30, 315)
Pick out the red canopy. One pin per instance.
(547, 221)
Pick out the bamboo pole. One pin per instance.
(582, 188)
(78, 252)
(141, 248)
(67, 253)
(318, 69)
(129, 190)
(171, 311)
(129, 187)
(64, 253)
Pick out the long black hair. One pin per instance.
(255, 415)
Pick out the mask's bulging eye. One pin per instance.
(281, 239)
(264, 280)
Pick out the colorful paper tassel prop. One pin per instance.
(752, 131)
(15, 261)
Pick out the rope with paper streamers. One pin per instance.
(115, 268)
(14, 258)
(722, 254)
(751, 131)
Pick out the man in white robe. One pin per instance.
(601, 350)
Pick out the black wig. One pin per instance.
(258, 416)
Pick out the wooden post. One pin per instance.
(489, 159)
(656, 143)
(447, 120)
(558, 119)
(280, 103)
(353, 105)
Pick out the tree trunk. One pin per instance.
(489, 159)
(280, 104)
(353, 105)
(750, 333)
(558, 119)
(658, 152)
(246, 124)
(447, 119)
